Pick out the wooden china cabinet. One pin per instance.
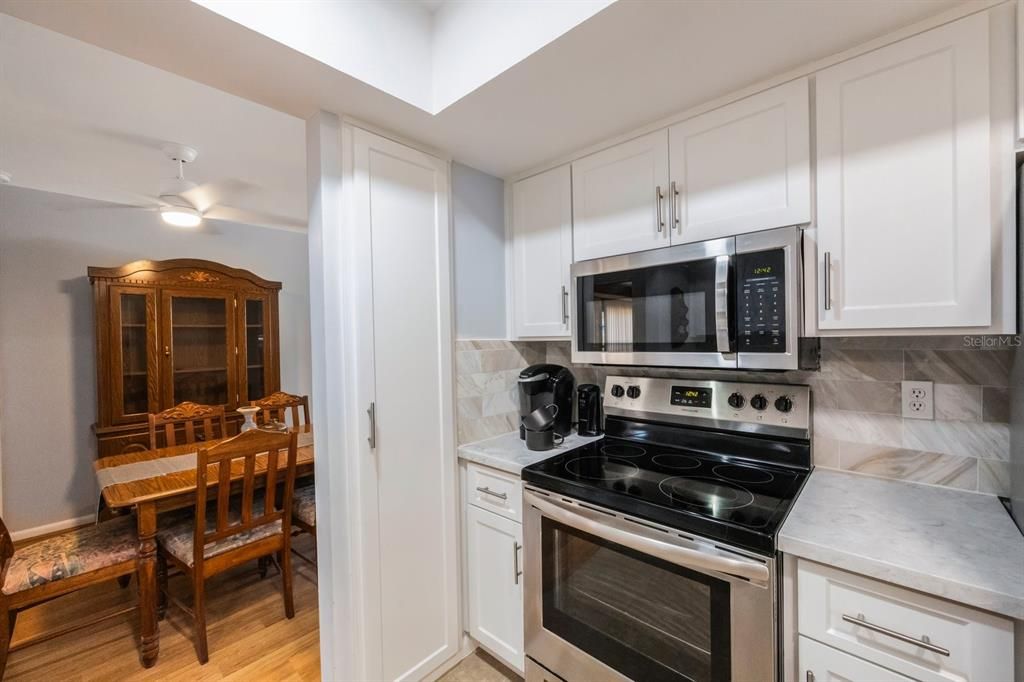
(175, 330)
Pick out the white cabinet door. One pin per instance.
(903, 182)
(743, 167)
(541, 254)
(495, 559)
(820, 663)
(411, 563)
(619, 198)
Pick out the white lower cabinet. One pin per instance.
(820, 663)
(857, 628)
(494, 562)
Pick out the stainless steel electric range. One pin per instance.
(650, 554)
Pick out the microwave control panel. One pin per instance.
(761, 301)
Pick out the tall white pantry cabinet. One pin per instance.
(380, 276)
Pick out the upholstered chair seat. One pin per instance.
(304, 505)
(177, 538)
(73, 553)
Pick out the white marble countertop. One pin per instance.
(957, 545)
(508, 452)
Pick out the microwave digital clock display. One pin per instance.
(690, 396)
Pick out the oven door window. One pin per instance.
(644, 617)
(667, 308)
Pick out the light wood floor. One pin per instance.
(249, 637)
(480, 667)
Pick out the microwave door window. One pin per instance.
(667, 308)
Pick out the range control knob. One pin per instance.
(783, 404)
(618, 391)
(633, 392)
(736, 401)
(759, 402)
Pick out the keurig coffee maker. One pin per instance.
(588, 410)
(541, 385)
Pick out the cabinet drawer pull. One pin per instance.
(657, 205)
(923, 642)
(487, 491)
(675, 208)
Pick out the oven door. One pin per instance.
(610, 598)
(668, 307)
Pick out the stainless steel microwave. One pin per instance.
(730, 303)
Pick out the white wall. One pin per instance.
(475, 41)
(478, 213)
(47, 339)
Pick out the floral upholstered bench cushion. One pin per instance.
(304, 505)
(177, 538)
(79, 551)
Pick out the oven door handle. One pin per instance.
(722, 303)
(680, 556)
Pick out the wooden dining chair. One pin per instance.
(276, 405)
(59, 565)
(222, 538)
(187, 422)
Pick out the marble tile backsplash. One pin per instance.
(857, 422)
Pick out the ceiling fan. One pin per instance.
(184, 203)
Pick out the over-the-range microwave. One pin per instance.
(729, 303)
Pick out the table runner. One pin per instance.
(136, 471)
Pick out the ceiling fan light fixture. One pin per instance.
(181, 216)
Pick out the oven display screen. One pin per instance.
(690, 396)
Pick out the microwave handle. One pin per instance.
(722, 303)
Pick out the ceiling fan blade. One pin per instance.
(241, 215)
(210, 194)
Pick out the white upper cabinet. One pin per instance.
(904, 233)
(620, 198)
(743, 167)
(541, 254)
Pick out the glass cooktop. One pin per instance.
(714, 492)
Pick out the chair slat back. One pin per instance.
(278, 405)
(252, 455)
(184, 418)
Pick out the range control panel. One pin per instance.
(723, 404)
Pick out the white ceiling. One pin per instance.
(83, 121)
(632, 63)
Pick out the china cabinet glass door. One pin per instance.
(134, 353)
(257, 348)
(199, 348)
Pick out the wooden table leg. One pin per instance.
(148, 589)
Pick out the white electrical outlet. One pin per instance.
(918, 400)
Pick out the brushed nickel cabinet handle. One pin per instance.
(810, 676)
(565, 305)
(372, 438)
(924, 643)
(674, 207)
(828, 280)
(515, 561)
(658, 196)
(487, 491)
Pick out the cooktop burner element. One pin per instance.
(733, 485)
(706, 492)
(623, 450)
(601, 468)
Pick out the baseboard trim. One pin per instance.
(55, 527)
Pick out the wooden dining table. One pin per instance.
(160, 493)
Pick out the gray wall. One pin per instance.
(47, 342)
(478, 213)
